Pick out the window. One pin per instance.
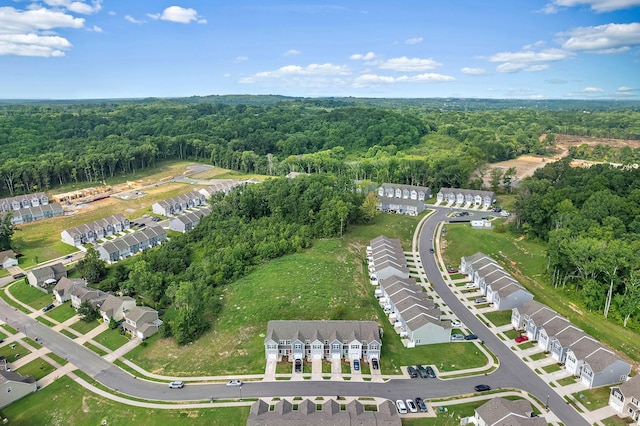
(356, 346)
(298, 346)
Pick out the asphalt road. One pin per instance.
(512, 373)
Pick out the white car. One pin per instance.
(457, 336)
(469, 285)
(412, 406)
(176, 384)
(400, 405)
(234, 382)
(456, 323)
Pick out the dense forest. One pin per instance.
(590, 218)
(44, 145)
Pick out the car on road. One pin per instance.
(356, 365)
(374, 363)
(456, 323)
(48, 307)
(470, 337)
(422, 371)
(431, 372)
(176, 384)
(480, 300)
(521, 338)
(497, 210)
(457, 336)
(401, 406)
(412, 406)
(298, 365)
(421, 405)
(234, 382)
(19, 275)
(431, 250)
(482, 388)
(68, 256)
(412, 372)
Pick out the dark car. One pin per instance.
(48, 307)
(18, 275)
(421, 371)
(298, 364)
(431, 250)
(156, 219)
(430, 372)
(482, 388)
(412, 372)
(470, 337)
(356, 365)
(374, 364)
(421, 405)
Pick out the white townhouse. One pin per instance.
(625, 399)
(179, 204)
(387, 259)
(189, 220)
(93, 231)
(501, 412)
(22, 201)
(403, 199)
(121, 248)
(469, 197)
(520, 314)
(222, 186)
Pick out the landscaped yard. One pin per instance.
(38, 368)
(64, 399)
(566, 381)
(62, 312)
(593, 399)
(84, 327)
(551, 368)
(111, 339)
(538, 356)
(30, 295)
(499, 318)
(13, 354)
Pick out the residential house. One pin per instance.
(46, 277)
(179, 204)
(535, 321)
(189, 220)
(62, 291)
(141, 321)
(550, 329)
(22, 201)
(467, 261)
(223, 186)
(35, 213)
(602, 367)
(404, 199)
(91, 232)
(322, 339)
(625, 399)
(578, 352)
(560, 343)
(130, 244)
(470, 197)
(506, 295)
(310, 413)
(114, 307)
(387, 258)
(500, 411)
(14, 386)
(87, 294)
(8, 258)
(518, 313)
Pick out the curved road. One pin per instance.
(512, 373)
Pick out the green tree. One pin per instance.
(87, 312)
(495, 178)
(369, 207)
(91, 267)
(6, 231)
(507, 178)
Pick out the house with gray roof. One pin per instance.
(22, 201)
(505, 294)
(94, 231)
(402, 199)
(222, 186)
(535, 322)
(469, 197)
(87, 294)
(560, 343)
(500, 412)
(46, 277)
(322, 339)
(189, 220)
(519, 312)
(625, 399)
(387, 259)
(141, 321)
(8, 258)
(550, 329)
(179, 204)
(36, 213)
(602, 367)
(114, 307)
(577, 352)
(329, 413)
(14, 386)
(121, 248)
(65, 286)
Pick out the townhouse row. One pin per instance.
(402, 199)
(470, 197)
(91, 232)
(121, 248)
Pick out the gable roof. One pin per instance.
(65, 285)
(630, 388)
(500, 411)
(325, 329)
(7, 254)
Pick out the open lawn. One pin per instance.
(111, 339)
(62, 312)
(499, 318)
(29, 295)
(84, 327)
(566, 381)
(38, 368)
(13, 354)
(526, 261)
(593, 399)
(66, 402)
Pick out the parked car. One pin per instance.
(482, 388)
(412, 406)
(19, 275)
(234, 382)
(521, 338)
(452, 271)
(401, 406)
(480, 300)
(412, 372)
(356, 365)
(497, 210)
(431, 372)
(176, 384)
(68, 256)
(431, 250)
(156, 219)
(421, 405)
(48, 307)
(457, 336)
(456, 323)
(298, 365)
(469, 285)
(421, 371)
(374, 363)
(470, 337)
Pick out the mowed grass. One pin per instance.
(38, 368)
(30, 295)
(111, 339)
(526, 261)
(498, 318)
(63, 312)
(65, 402)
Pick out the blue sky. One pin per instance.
(525, 49)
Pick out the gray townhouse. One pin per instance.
(506, 295)
(36, 213)
(223, 186)
(46, 277)
(8, 258)
(550, 329)
(469, 197)
(625, 399)
(141, 321)
(560, 343)
(602, 367)
(94, 231)
(402, 199)
(578, 352)
(179, 204)
(80, 295)
(121, 248)
(114, 307)
(535, 322)
(519, 313)
(14, 386)
(491, 274)
(23, 201)
(501, 412)
(65, 286)
(322, 340)
(387, 259)
(189, 220)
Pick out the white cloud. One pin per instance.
(96, 29)
(548, 9)
(291, 52)
(241, 58)
(625, 89)
(608, 38)
(311, 69)
(30, 32)
(592, 90)
(134, 20)
(414, 40)
(472, 71)
(409, 64)
(368, 80)
(599, 5)
(528, 60)
(76, 6)
(364, 57)
(178, 14)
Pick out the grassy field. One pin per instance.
(62, 312)
(593, 399)
(83, 327)
(526, 261)
(29, 295)
(13, 354)
(38, 368)
(66, 403)
(499, 318)
(111, 339)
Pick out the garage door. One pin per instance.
(272, 356)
